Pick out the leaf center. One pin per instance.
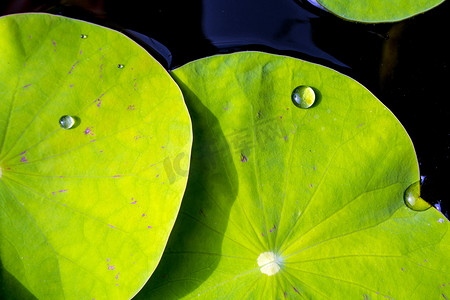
(269, 263)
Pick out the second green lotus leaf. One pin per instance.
(95, 143)
(291, 202)
(376, 11)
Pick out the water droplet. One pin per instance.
(413, 200)
(269, 263)
(303, 96)
(120, 66)
(83, 36)
(69, 122)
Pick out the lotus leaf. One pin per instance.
(373, 11)
(286, 202)
(86, 206)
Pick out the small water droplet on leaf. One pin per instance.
(68, 122)
(413, 200)
(303, 96)
(84, 36)
(120, 66)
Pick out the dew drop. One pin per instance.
(68, 122)
(83, 36)
(413, 200)
(269, 263)
(120, 66)
(303, 96)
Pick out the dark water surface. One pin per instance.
(405, 64)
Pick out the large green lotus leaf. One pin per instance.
(374, 11)
(85, 212)
(321, 188)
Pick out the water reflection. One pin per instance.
(280, 25)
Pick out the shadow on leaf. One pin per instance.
(194, 247)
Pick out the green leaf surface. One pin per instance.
(85, 213)
(321, 188)
(376, 11)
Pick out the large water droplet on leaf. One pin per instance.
(413, 199)
(269, 263)
(303, 96)
(67, 122)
